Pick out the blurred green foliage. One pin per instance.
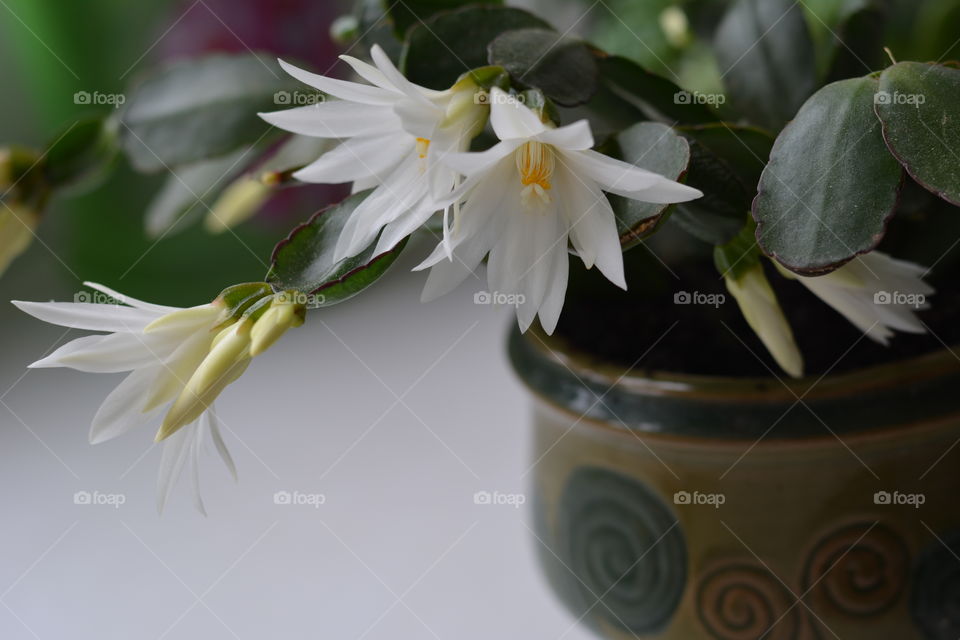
(53, 49)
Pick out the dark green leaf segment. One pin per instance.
(831, 184)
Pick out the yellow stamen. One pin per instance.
(535, 162)
(423, 146)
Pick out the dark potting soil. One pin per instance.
(651, 332)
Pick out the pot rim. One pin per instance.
(588, 367)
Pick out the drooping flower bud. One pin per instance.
(227, 360)
(285, 312)
(17, 225)
(759, 305)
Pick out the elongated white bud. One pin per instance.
(763, 313)
(238, 202)
(228, 357)
(282, 315)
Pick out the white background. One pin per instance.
(396, 411)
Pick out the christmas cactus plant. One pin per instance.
(788, 142)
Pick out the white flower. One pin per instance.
(178, 362)
(525, 197)
(17, 225)
(394, 133)
(760, 308)
(875, 292)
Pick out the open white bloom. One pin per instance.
(526, 197)
(394, 131)
(17, 225)
(760, 308)
(875, 292)
(179, 361)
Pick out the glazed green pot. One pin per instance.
(682, 507)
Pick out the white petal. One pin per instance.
(419, 119)
(393, 75)
(510, 119)
(358, 158)
(402, 190)
(403, 226)
(593, 226)
(481, 227)
(196, 448)
(109, 354)
(218, 442)
(335, 119)
(92, 317)
(552, 303)
(627, 180)
(176, 448)
(352, 91)
(127, 300)
(472, 164)
(176, 371)
(369, 73)
(121, 411)
(573, 137)
(185, 322)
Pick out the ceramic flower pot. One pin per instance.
(680, 507)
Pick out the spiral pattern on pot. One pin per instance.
(739, 601)
(625, 549)
(857, 570)
(935, 602)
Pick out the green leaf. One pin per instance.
(654, 147)
(405, 14)
(200, 108)
(766, 57)
(563, 68)
(435, 54)
(831, 184)
(655, 95)
(304, 260)
(919, 106)
(83, 155)
(718, 216)
(745, 149)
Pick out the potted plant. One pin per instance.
(723, 279)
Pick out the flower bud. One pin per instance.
(759, 305)
(239, 201)
(227, 360)
(17, 224)
(282, 315)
